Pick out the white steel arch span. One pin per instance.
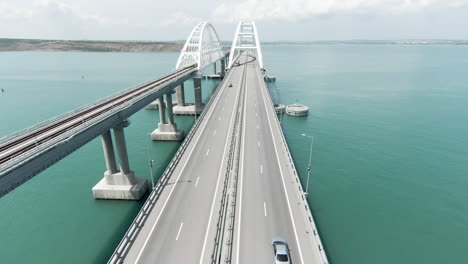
(246, 38)
(202, 47)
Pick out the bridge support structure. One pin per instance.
(222, 73)
(123, 184)
(180, 91)
(167, 129)
(182, 108)
(246, 39)
(203, 48)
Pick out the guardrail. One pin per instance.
(232, 215)
(78, 109)
(125, 244)
(22, 157)
(220, 226)
(299, 185)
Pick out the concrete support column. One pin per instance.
(170, 113)
(223, 68)
(180, 95)
(167, 131)
(214, 67)
(121, 149)
(198, 93)
(162, 110)
(118, 184)
(109, 155)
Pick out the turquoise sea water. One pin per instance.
(389, 180)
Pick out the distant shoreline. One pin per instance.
(87, 46)
(372, 42)
(7, 44)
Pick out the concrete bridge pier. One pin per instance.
(223, 68)
(180, 95)
(116, 184)
(182, 108)
(214, 68)
(198, 95)
(167, 130)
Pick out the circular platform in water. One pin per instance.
(297, 110)
(280, 108)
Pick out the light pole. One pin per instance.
(310, 160)
(150, 163)
(279, 103)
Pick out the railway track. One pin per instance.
(25, 142)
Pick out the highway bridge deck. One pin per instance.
(238, 147)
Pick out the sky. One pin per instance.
(293, 20)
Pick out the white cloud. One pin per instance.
(179, 19)
(168, 20)
(53, 10)
(55, 19)
(232, 11)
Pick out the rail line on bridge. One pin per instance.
(16, 150)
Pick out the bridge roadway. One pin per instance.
(270, 204)
(181, 227)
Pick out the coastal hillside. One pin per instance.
(91, 46)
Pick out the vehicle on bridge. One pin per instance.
(281, 250)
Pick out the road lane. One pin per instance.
(182, 226)
(261, 185)
(190, 199)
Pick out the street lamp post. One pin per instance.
(310, 161)
(151, 162)
(279, 103)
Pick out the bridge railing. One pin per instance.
(17, 160)
(76, 110)
(300, 189)
(230, 171)
(125, 244)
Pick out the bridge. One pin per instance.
(230, 188)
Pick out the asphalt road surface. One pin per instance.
(267, 197)
(182, 225)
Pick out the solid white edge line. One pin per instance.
(180, 174)
(180, 228)
(219, 178)
(241, 173)
(264, 207)
(281, 172)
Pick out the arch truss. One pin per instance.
(202, 47)
(246, 38)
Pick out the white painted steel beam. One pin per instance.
(202, 47)
(246, 38)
